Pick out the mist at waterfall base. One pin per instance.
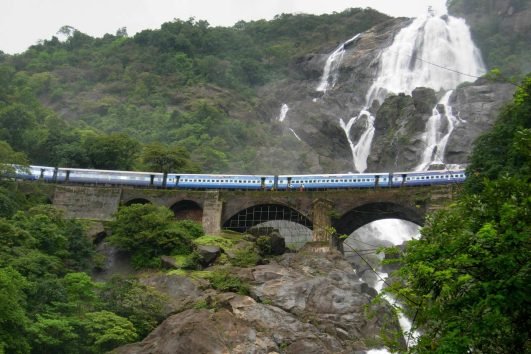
(366, 240)
(434, 52)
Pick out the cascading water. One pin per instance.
(360, 151)
(434, 52)
(283, 112)
(330, 71)
(435, 139)
(366, 240)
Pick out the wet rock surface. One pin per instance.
(314, 116)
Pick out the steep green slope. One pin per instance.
(185, 84)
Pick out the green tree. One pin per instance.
(467, 278)
(140, 304)
(505, 149)
(112, 152)
(105, 330)
(161, 158)
(13, 317)
(53, 334)
(8, 157)
(149, 231)
(16, 122)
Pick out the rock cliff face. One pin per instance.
(313, 140)
(305, 303)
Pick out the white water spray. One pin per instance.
(434, 52)
(434, 138)
(360, 150)
(378, 234)
(283, 112)
(293, 131)
(330, 71)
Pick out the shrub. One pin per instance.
(246, 257)
(223, 281)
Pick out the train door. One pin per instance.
(164, 179)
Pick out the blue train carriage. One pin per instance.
(79, 175)
(426, 178)
(197, 181)
(303, 182)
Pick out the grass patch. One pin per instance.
(200, 274)
(223, 281)
(180, 272)
(245, 257)
(220, 241)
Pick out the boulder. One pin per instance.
(169, 262)
(208, 254)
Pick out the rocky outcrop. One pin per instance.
(314, 116)
(310, 138)
(397, 142)
(180, 292)
(304, 303)
(478, 104)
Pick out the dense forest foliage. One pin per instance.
(467, 278)
(48, 301)
(186, 87)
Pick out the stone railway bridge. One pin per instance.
(345, 210)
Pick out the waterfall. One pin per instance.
(283, 111)
(360, 150)
(420, 53)
(330, 71)
(434, 138)
(383, 233)
(293, 131)
(434, 52)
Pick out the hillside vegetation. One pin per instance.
(185, 85)
(467, 278)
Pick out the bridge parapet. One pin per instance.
(350, 208)
(212, 209)
(87, 202)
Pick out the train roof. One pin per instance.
(336, 175)
(200, 175)
(99, 171)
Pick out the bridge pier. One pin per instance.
(212, 209)
(322, 224)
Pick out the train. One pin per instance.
(239, 182)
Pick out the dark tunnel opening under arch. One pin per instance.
(187, 210)
(367, 213)
(137, 201)
(258, 214)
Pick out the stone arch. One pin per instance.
(137, 201)
(367, 213)
(258, 214)
(187, 210)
